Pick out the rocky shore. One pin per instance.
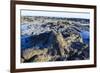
(46, 39)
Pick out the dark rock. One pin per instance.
(31, 59)
(61, 59)
(77, 45)
(52, 52)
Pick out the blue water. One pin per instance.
(85, 36)
(29, 41)
(26, 42)
(46, 39)
(43, 40)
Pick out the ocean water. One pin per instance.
(27, 41)
(85, 36)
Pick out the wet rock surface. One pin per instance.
(46, 39)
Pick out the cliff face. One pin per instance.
(53, 39)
